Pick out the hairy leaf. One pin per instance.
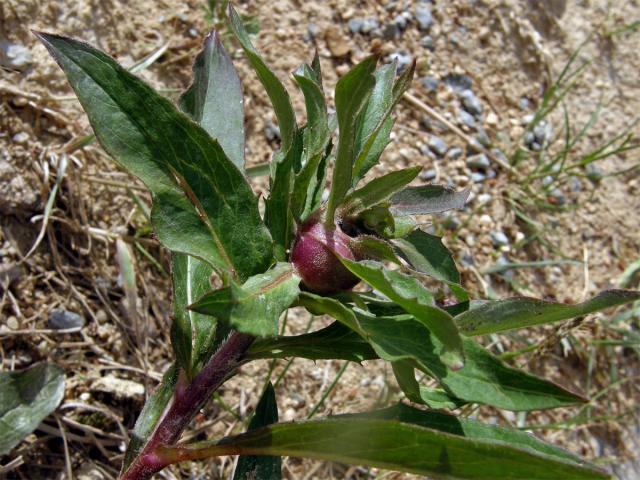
(255, 306)
(410, 440)
(483, 379)
(427, 199)
(407, 292)
(352, 92)
(203, 205)
(405, 376)
(275, 90)
(337, 341)
(520, 312)
(214, 99)
(378, 190)
(251, 467)
(26, 398)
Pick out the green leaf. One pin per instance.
(374, 248)
(279, 205)
(401, 438)
(483, 379)
(433, 398)
(255, 306)
(194, 336)
(277, 93)
(26, 398)
(427, 199)
(352, 92)
(203, 205)
(336, 341)
(317, 136)
(214, 99)
(520, 312)
(375, 123)
(261, 467)
(416, 300)
(427, 254)
(152, 412)
(378, 190)
(318, 305)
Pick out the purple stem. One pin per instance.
(187, 400)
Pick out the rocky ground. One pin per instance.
(483, 68)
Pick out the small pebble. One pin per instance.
(548, 180)
(271, 131)
(458, 83)
(556, 197)
(594, 173)
(424, 18)
(427, 42)
(400, 21)
(575, 184)
(484, 198)
(20, 138)
(523, 103)
(368, 25)
(454, 153)
(477, 177)
(451, 223)
(499, 239)
(12, 323)
(479, 161)
(465, 118)
(297, 401)
(430, 83)
(428, 175)
(483, 138)
(355, 25)
(437, 146)
(491, 173)
(63, 319)
(193, 32)
(14, 56)
(313, 30)
(470, 102)
(390, 31)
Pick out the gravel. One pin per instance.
(430, 83)
(470, 102)
(454, 153)
(465, 118)
(458, 83)
(428, 175)
(63, 319)
(424, 18)
(355, 25)
(437, 146)
(477, 177)
(427, 42)
(499, 239)
(479, 161)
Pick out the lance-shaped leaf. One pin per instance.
(427, 199)
(317, 135)
(427, 254)
(251, 467)
(152, 412)
(352, 92)
(194, 336)
(401, 438)
(275, 90)
(407, 292)
(214, 99)
(483, 379)
(279, 206)
(203, 205)
(376, 123)
(378, 190)
(26, 398)
(521, 312)
(337, 341)
(255, 306)
(433, 398)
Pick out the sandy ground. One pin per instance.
(510, 51)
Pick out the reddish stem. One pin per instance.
(186, 402)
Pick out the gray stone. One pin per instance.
(430, 83)
(390, 31)
(483, 138)
(547, 180)
(477, 177)
(14, 56)
(575, 184)
(458, 83)
(368, 25)
(428, 175)
(529, 139)
(556, 197)
(400, 21)
(427, 42)
(523, 103)
(470, 102)
(499, 239)
(451, 223)
(454, 153)
(63, 319)
(313, 30)
(543, 131)
(479, 161)
(424, 18)
(20, 138)
(465, 118)
(355, 25)
(594, 174)
(491, 173)
(437, 146)
(271, 131)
